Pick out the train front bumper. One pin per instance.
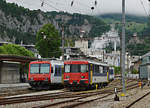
(81, 83)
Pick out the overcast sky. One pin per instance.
(84, 6)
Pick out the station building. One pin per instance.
(145, 67)
(13, 69)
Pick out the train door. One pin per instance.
(52, 73)
(58, 74)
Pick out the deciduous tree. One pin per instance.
(48, 41)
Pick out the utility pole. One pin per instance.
(62, 43)
(121, 57)
(123, 48)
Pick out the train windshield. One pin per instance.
(84, 68)
(34, 68)
(39, 68)
(44, 68)
(74, 68)
(67, 68)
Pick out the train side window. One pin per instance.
(100, 69)
(56, 69)
(96, 69)
(51, 69)
(59, 70)
(105, 69)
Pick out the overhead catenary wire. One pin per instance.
(144, 8)
(52, 5)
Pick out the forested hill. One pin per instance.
(129, 18)
(19, 24)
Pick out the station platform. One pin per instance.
(14, 86)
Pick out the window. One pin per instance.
(39, 68)
(67, 68)
(75, 68)
(44, 68)
(84, 68)
(34, 68)
(51, 69)
(57, 70)
(105, 69)
(100, 69)
(96, 69)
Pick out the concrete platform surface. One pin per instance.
(16, 85)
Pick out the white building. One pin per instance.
(83, 45)
(109, 37)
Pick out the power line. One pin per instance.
(144, 8)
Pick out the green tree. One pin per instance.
(48, 41)
(117, 70)
(134, 71)
(12, 49)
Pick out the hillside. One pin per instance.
(18, 23)
(129, 18)
(134, 24)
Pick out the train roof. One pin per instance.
(98, 63)
(76, 62)
(86, 62)
(59, 62)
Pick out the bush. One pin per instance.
(116, 70)
(134, 71)
(13, 49)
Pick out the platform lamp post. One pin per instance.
(123, 48)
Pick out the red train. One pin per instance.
(44, 74)
(80, 74)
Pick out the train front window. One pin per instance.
(67, 68)
(84, 68)
(75, 68)
(44, 68)
(34, 68)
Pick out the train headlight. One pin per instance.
(82, 76)
(67, 77)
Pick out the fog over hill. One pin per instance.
(136, 7)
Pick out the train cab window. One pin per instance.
(84, 68)
(44, 68)
(34, 68)
(67, 68)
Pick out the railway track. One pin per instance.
(83, 99)
(22, 99)
(72, 96)
(137, 100)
